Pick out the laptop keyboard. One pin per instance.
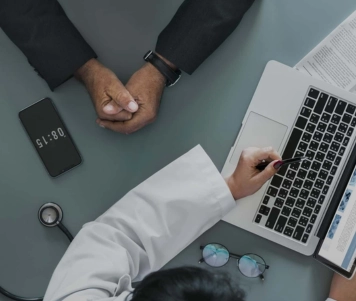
(295, 195)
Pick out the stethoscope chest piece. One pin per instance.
(50, 215)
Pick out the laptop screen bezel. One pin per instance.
(330, 213)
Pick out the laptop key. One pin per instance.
(310, 154)
(286, 184)
(331, 156)
(320, 104)
(307, 212)
(310, 128)
(317, 136)
(306, 164)
(314, 118)
(294, 192)
(316, 166)
(282, 220)
(304, 194)
(283, 193)
(327, 165)
(317, 209)
(349, 131)
(342, 127)
(313, 93)
(295, 166)
(329, 180)
(325, 117)
(298, 232)
(319, 157)
(288, 231)
(264, 210)
(292, 143)
(272, 191)
(342, 151)
(337, 160)
(300, 203)
(346, 141)
(330, 106)
(353, 121)
(305, 238)
(298, 183)
(346, 118)
(321, 127)
(312, 175)
(286, 211)
(296, 212)
(313, 219)
(335, 146)
(301, 173)
(272, 217)
(328, 137)
(302, 146)
(301, 122)
(311, 202)
(308, 184)
(303, 221)
(279, 202)
(323, 174)
(305, 112)
(319, 184)
(265, 200)
(314, 145)
(325, 189)
(258, 218)
(309, 103)
(335, 119)
(321, 199)
(315, 193)
(350, 109)
(291, 174)
(339, 137)
(340, 108)
(276, 181)
(309, 228)
(333, 170)
(331, 128)
(306, 138)
(290, 201)
(292, 222)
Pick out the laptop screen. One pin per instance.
(339, 245)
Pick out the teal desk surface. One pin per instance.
(206, 108)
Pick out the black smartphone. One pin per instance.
(50, 137)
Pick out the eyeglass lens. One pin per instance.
(251, 265)
(215, 255)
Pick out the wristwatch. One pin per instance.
(171, 75)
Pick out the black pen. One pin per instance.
(281, 163)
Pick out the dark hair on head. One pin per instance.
(187, 284)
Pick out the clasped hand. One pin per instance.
(120, 108)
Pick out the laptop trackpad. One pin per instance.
(259, 131)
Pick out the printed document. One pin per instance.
(334, 59)
(339, 245)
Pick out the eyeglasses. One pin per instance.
(250, 265)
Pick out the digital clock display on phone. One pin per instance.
(50, 137)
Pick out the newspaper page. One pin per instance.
(339, 245)
(334, 59)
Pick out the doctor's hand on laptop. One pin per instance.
(247, 179)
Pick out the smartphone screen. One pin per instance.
(50, 137)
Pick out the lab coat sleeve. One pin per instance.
(144, 230)
(329, 299)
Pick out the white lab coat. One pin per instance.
(143, 231)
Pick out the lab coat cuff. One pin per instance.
(217, 185)
(329, 299)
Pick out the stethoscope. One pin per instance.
(49, 215)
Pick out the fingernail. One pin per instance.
(109, 108)
(101, 125)
(133, 106)
(278, 164)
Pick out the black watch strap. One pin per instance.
(171, 75)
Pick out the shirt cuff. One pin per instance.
(329, 299)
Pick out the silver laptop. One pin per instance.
(299, 208)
